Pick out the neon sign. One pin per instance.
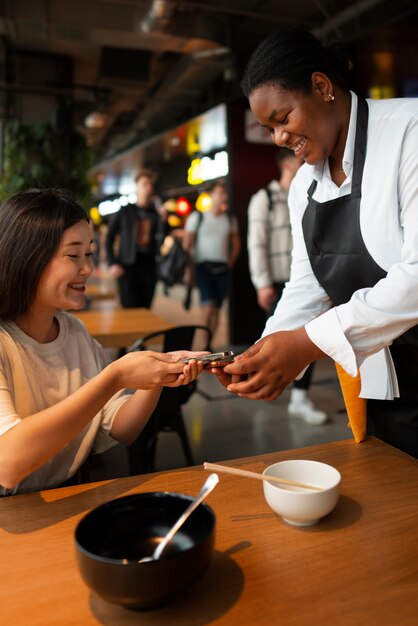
(207, 168)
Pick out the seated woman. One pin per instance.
(59, 394)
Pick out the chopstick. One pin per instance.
(240, 472)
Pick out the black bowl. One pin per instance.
(111, 539)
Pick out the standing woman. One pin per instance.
(353, 290)
(59, 395)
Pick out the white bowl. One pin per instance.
(297, 506)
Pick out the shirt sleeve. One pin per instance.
(8, 415)
(103, 440)
(258, 240)
(113, 230)
(191, 223)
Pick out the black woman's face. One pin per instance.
(305, 123)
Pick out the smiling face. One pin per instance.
(62, 282)
(307, 123)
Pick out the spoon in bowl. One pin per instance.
(209, 484)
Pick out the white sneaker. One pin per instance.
(306, 411)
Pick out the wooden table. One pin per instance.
(120, 328)
(101, 291)
(358, 566)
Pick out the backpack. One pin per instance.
(173, 259)
(269, 198)
(172, 262)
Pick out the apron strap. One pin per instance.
(311, 189)
(359, 151)
(360, 147)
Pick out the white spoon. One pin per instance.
(208, 486)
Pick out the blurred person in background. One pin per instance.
(269, 252)
(138, 228)
(212, 238)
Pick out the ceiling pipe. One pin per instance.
(351, 13)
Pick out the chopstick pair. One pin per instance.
(240, 472)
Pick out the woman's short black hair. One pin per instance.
(31, 227)
(289, 57)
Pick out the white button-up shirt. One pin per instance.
(357, 333)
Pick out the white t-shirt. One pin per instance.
(356, 333)
(35, 376)
(212, 239)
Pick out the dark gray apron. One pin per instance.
(342, 265)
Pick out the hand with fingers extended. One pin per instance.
(148, 369)
(191, 369)
(264, 370)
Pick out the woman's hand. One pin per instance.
(191, 370)
(266, 368)
(147, 369)
(266, 297)
(116, 270)
(158, 369)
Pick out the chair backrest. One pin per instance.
(167, 415)
(177, 338)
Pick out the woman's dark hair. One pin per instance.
(289, 57)
(31, 226)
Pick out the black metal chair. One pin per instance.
(167, 416)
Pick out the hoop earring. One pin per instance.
(331, 97)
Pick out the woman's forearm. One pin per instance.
(133, 415)
(38, 437)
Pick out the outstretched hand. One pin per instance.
(265, 370)
(191, 370)
(148, 369)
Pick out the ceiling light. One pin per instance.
(96, 120)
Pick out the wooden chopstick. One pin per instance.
(240, 472)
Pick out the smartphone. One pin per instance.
(216, 359)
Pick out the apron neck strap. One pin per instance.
(360, 147)
(312, 188)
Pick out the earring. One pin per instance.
(331, 98)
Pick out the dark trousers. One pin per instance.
(396, 421)
(137, 285)
(384, 426)
(305, 382)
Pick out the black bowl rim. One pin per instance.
(124, 562)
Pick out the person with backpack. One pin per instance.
(269, 252)
(212, 238)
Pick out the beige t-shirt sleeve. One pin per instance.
(103, 441)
